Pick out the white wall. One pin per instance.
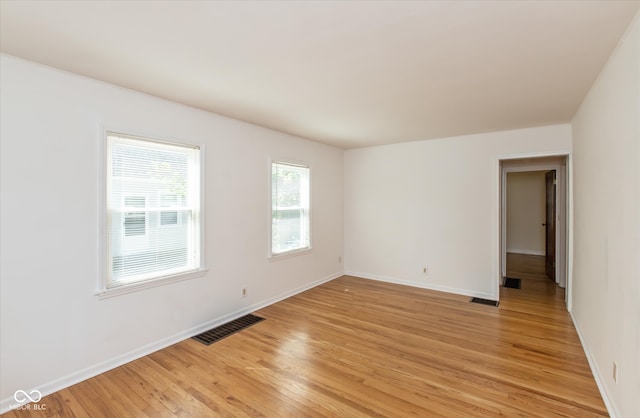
(606, 271)
(526, 212)
(54, 331)
(434, 203)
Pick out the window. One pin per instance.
(290, 223)
(135, 223)
(152, 214)
(169, 217)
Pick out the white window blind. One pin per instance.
(152, 209)
(290, 218)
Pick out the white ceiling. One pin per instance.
(350, 74)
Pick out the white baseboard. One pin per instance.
(611, 406)
(423, 285)
(92, 371)
(525, 252)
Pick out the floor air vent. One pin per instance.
(512, 283)
(222, 331)
(485, 301)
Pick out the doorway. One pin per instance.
(535, 238)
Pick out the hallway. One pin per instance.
(538, 295)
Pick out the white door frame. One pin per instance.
(561, 162)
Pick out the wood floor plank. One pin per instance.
(355, 347)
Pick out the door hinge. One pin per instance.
(555, 181)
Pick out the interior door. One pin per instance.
(550, 225)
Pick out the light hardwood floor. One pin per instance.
(526, 266)
(354, 347)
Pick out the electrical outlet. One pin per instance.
(425, 270)
(615, 372)
(244, 292)
(339, 259)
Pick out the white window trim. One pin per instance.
(288, 254)
(300, 251)
(104, 292)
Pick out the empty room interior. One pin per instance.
(306, 208)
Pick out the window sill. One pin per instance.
(147, 284)
(289, 254)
